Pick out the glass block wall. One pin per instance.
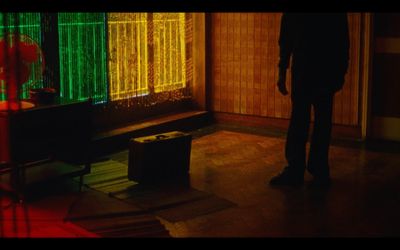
(110, 56)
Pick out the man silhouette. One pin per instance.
(318, 45)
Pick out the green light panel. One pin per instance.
(83, 60)
(28, 25)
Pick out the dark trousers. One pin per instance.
(297, 136)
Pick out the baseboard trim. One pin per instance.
(281, 125)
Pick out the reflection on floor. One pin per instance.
(235, 166)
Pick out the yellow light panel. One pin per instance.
(128, 55)
(169, 51)
(128, 46)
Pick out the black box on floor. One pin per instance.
(159, 158)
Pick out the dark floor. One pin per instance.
(236, 163)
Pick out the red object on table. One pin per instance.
(15, 67)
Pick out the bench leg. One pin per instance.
(80, 183)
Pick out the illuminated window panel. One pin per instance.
(82, 52)
(27, 25)
(128, 55)
(169, 51)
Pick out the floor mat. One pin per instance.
(173, 203)
(93, 204)
(105, 216)
(142, 225)
(170, 202)
(194, 209)
(156, 198)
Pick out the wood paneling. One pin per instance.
(236, 63)
(346, 105)
(216, 61)
(257, 65)
(244, 68)
(230, 63)
(224, 61)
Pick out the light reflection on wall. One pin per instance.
(128, 55)
(82, 52)
(28, 25)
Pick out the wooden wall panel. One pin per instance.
(264, 66)
(257, 65)
(236, 64)
(272, 45)
(224, 59)
(250, 65)
(216, 67)
(230, 63)
(275, 23)
(354, 80)
(243, 61)
(346, 106)
(244, 56)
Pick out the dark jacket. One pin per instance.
(319, 46)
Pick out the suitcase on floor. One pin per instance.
(159, 158)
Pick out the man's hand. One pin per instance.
(282, 82)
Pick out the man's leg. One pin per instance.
(318, 164)
(295, 149)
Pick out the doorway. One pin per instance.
(385, 94)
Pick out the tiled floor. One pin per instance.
(363, 201)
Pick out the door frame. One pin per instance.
(367, 45)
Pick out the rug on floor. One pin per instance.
(105, 216)
(170, 202)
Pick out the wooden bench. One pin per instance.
(31, 137)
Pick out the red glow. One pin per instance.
(15, 65)
(5, 105)
(18, 220)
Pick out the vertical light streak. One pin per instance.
(82, 56)
(139, 42)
